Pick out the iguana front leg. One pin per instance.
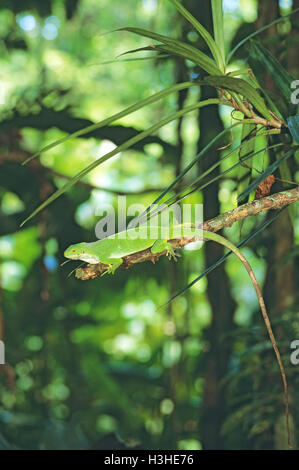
(161, 245)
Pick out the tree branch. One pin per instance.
(273, 202)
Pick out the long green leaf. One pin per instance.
(118, 149)
(293, 124)
(279, 74)
(248, 148)
(266, 173)
(244, 173)
(242, 87)
(182, 196)
(215, 50)
(180, 48)
(134, 59)
(276, 105)
(139, 49)
(195, 187)
(260, 30)
(105, 122)
(193, 162)
(224, 257)
(174, 50)
(245, 155)
(217, 13)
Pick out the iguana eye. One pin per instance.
(73, 251)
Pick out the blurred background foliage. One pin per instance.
(95, 364)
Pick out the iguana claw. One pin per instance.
(170, 253)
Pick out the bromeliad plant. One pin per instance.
(263, 114)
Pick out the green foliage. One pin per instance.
(243, 88)
(217, 14)
(179, 48)
(216, 49)
(293, 123)
(270, 170)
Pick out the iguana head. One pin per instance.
(80, 251)
(75, 251)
